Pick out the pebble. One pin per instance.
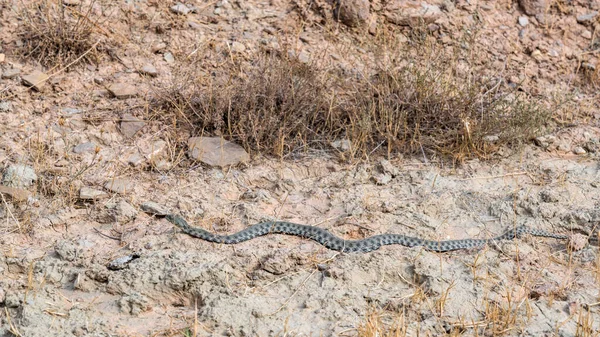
(216, 151)
(11, 73)
(238, 47)
(149, 70)
(88, 193)
(19, 176)
(5, 106)
(586, 17)
(122, 211)
(2, 58)
(586, 34)
(342, 145)
(122, 90)
(119, 185)
(35, 80)
(523, 21)
(579, 150)
(135, 159)
(121, 262)
(180, 8)
(158, 47)
(130, 125)
(85, 147)
(169, 58)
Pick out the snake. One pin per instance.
(333, 242)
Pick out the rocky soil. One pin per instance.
(81, 154)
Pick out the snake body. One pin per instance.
(333, 242)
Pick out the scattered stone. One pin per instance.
(154, 208)
(159, 47)
(180, 9)
(342, 145)
(412, 14)
(352, 13)
(121, 211)
(88, 193)
(149, 70)
(119, 185)
(121, 262)
(577, 242)
(544, 141)
(16, 194)
(216, 151)
(85, 147)
(523, 21)
(130, 125)
(586, 34)
(382, 178)
(534, 7)
(19, 176)
(579, 150)
(238, 47)
(169, 58)
(585, 18)
(35, 80)
(122, 90)
(5, 106)
(11, 73)
(135, 159)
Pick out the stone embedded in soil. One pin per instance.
(169, 58)
(19, 176)
(67, 250)
(586, 17)
(149, 70)
(216, 151)
(119, 185)
(5, 106)
(136, 159)
(180, 8)
(85, 147)
(121, 262)
(130, 125)
(238, 47)
(11, 73)
(158, 47)
(411, 13)
(342, 145)
(122, 211)
(35, 80)
(579, 150)
(352, 13)
(534, 7)
(523, 21)
(122, 90)
(16, 194)
(88, 193)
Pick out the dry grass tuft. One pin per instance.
(374, 325)
(55, 34)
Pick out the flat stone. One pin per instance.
(523, 21)
(238, 47)
(18, 175)
(180, 9)
(119, 185)
(412, 14)
(586, 17)
(35, 80)
(11, 73)
(16, 194)
(122, 211)
(122, 90)
(169, 58)
(159, 47)
(85, 147)
(130, 125)
(216, 151)
(135, 159)
(149, 70)
(88, 193)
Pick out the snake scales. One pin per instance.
(333, 242)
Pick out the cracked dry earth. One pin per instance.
(56, 283)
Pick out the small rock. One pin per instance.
(586, 34)
(491, 139)
(154, 208)
(11, 73)
(130, 125)
(87, 193)
(36, 80)
(585, 18)
(216, 151)
(122, 90)
(2, 58)
(5, 106)
(537, 55)
(122, 211)
(180, 8)
(579, 150)
(534, 7)
(135, 159)
(238, 47)
(149, 70)
(382, 179)
(342, 145)
(154, 150)
(523, 21)
(169, 58)
(71, 2)
(544, 141)
(12, 300)
(158, 47)
(67, 250)
(85, 147)
(277, 264)
(388, 167)
(119, 185)
(121, 262)
(19, 176)
(404, 13)
(16, 194)
(352, 13)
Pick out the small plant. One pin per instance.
(55, 34)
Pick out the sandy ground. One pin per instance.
(56, 245)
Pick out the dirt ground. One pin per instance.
(91, 158)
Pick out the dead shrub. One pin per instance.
(55, 34)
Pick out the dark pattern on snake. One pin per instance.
(333, 242)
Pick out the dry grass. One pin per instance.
(414, 102)
(55, 34)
